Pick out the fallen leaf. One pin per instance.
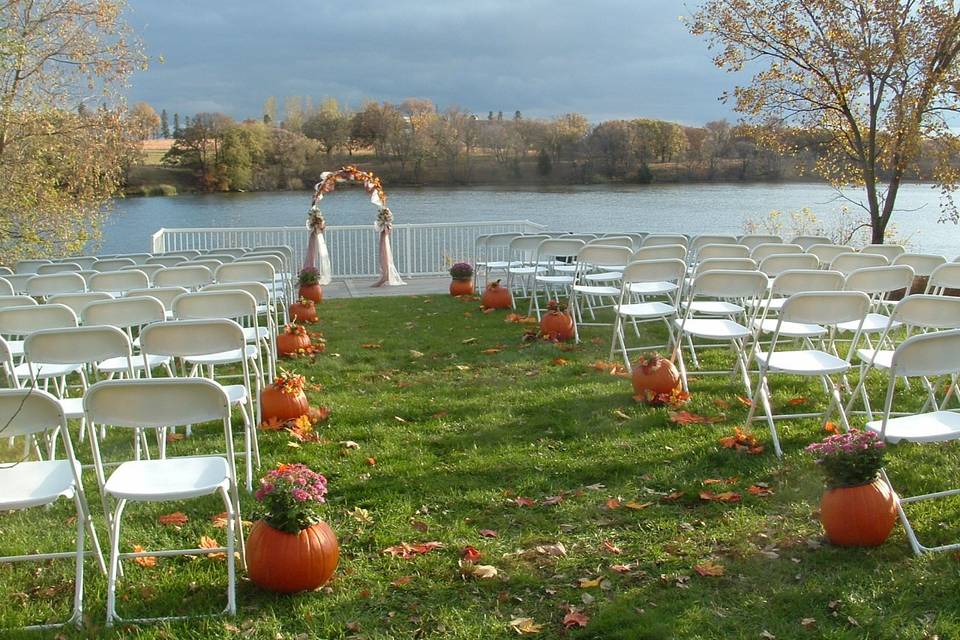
(586, 583)
(808, 623)
(613, 503)
(550, 501)
(399, 419)
(730, 480)
(349, 444)
(612, 548)
(491, 351)
(360, 515)
(479, 571)
(371, 345)
(613, 368)
(206, 542)
(760, 489)
(575, 618)
(559, 362)
(742, 441)
(672, 496)
(468, 340)
(726, 496)
(830, 427)
(416, 354)
(407, 551)
(144, 561)
(175, 519)
(710, 568)
(402, 580)
(685, 417)
(747, 402)
(525, 625)
(555, 550)
(471, 554)
(766, 635)
(620, 568)
(175, 437)
(620, 415)
(637, 506)
(793, 402)
(488, 533)
(721, 404)
(461, 367)
(520, 501)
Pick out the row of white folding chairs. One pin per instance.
(146, 404)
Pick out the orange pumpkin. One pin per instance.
(274, 403)
(461, 287)
(860, 516)
(312, 292)
(303, 311)
(291, 341)
(290, 562)
(654, 375)
(556, 324)
(496, 297)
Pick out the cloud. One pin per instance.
(607, 58)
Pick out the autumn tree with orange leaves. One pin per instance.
(877, 79)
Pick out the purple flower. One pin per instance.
(300, 495)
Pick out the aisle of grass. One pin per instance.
(450, 433)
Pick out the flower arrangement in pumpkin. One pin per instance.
(461, 271)
(656, 381)
(308, 277)
(285, 408)
(849, 459)
(296, 342)
(291, 497)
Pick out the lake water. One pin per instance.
(688, 208)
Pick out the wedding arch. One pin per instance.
(317, 255)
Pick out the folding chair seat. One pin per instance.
(32, 413)
(188, 276)
(58, 267)
(206, 343)
(741, 289)
(609, 259)
(554, 283)
(492, 255)
(631, 306)
(54, 284)
(926, 356)
(752, 240)
(825, 308)
(119, 282)
(128, 314)
(158, 404)
(29, 266)
(112, 264)
(829, 252)
(166, 260)
(847, 263)
(877, 282)
(520, 266)
(22, 320)
(888, 251)
(808, 241)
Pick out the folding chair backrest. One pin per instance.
(186, 338)
(555, 247)
(258, 290)
(776, 264)
(85, 262)
(54, 283)
(946, 276)
(29, 266)
(808, 241)
(923, 263)
(221, 257)
(17, 301)
(125, 312)
(601, 255)
(825, 307)
(850, 262)
(666, 270)
(6, 271)
(87, 275)
(139, 258)
(76, 345)
(58, 267)
(926, 311)
(828, 252)
(165, 295)
(614, 241)
(258, 271)
(156, 402)
(204, 261)
(150, 269)
(524, 247)
(655, 239)
(187, 276)
(183, 253)
(230, 251)
(660, 252)
(703, 240)
(500, 240)
(166, 260)
(736, 264)
(29, 411)
(585, 237)
(112, 264)
(794, 281)
(763, 251)
(928, 354)
(25, 320)
(724, 283)
(273, 260)
(888, 251)
(119, 281)
(214, 304)
(79, 301)
(708, 251)
(6, 289)
(874, 280)
(752, 240)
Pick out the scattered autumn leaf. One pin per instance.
(525, 625)
(612, 548)
(575, 618)
(612, 368)
(620, 415)
(144, 561)
(721, 404)
(587, 583)
(478, 571)
(175, 437)
(361, 515)
(613, 503)
(621, 568)
(371, 345)
(742, 441)
(672, 496)
(710, 568)
(550, 501)
(491, 351)
(470, 554)
(520, 501)
(730, 480)
(830, 427)
(402, 580)
(559, 362)
(685, 417)
(726, 496)
(637, 506)
(206, 542)
(793, 402)
(407, 551)
(760, 489)
(747, 402)
(175, 519)
(488, 533)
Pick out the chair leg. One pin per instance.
(77, 615)
(231, 560)
(114, 563)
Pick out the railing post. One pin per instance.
(157, 241)
(408, 251)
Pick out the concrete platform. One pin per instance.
(360, 288)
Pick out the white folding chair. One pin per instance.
(131, 315)
(847, 263)
(17, 301)
(751, 240)
(555, 283)
(233, 252)
(878, 283)
(709, 251)
(58, 267)
(204, 261)
(261, 294)
(520, 265)
(700, 241)
(829, 252)
(79, 301)
(6, 289)
(763, 251)
(946, 276)
(730, 319)
(139, 258)
(775, 264)
(29, 266)
(888, 251)
(158, 404)
(223, 258)
(189, 254)
(30, 413)
(188, 276)
(660, 252)
(166, 260)
(791, 282)
(112, 264)
(19, 281)
(632, 307)
(6, 271)
(808, 241)
(614, 241)
(254, 271)
(22, 320)
(590, 259)
(200, 344)
(85, 262)
(166, 296)
(825, 308)
(150, 269)
(55, 284)
(656, 239)
(926, 356)
(923, 264)
(119, 282)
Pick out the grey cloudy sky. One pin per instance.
(604, 58)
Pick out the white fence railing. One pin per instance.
(418, 249)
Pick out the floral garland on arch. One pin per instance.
(383, 224)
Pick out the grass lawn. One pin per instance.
(451, 435)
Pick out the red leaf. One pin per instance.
(612, 548)
(613, 503)
(402, 580)
(575, 618)
(470, 554)
(672, 497)
(747, 402)
(760, 490)
(520, 501)
(175, 519)
(726, 496)
(407, 551)
(685, 417)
